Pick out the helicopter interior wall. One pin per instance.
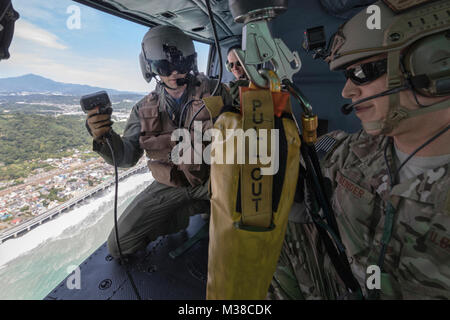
(189, 15)
(321, 86)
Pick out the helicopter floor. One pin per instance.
(162, 272)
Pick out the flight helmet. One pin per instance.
(165, 49)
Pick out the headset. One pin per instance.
(429, 80)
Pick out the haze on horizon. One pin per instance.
(102, 53)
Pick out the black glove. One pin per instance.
(99, 124)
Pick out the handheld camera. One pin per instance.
(315, 40)
(98, 99)
(88, 102)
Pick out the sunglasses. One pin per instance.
(236, 64)
(366, 72)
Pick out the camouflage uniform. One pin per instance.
(417, 260)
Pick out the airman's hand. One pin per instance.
(98, 124)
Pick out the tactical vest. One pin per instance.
(156, 131)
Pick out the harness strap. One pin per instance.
(256, 188)
(402, 113)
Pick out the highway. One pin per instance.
(50, 214)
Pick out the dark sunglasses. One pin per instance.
(165, 68)
(231, 65)
(366, 72)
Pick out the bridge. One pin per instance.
(50, 214)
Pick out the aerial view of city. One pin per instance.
(46, 152)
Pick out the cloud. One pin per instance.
(70, 66)
(105, 73)
(33, 10)
(31, 32)
(104, 52)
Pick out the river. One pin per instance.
(33, 264)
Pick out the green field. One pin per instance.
(27, 138)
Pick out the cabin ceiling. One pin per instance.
(191, 16)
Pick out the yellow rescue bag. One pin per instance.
(249, 208)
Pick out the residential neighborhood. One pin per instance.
(42, 191)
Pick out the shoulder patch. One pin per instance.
(324, 145)
(337, 134)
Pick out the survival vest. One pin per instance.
(156, 132)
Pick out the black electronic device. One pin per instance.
(89, 102)
(97, 99)
(315, 38)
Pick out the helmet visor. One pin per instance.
(165, 68)
(366, 72)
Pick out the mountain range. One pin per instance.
(31, 83)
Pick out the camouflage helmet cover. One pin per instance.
(355, 41)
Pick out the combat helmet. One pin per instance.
(417, 43)
(165, 49)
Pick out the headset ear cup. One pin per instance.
(443, 86)
(418, 82)
(145, 68)
(427, 62)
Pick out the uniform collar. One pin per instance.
(419, 188)
(367, 148)
(370, 151)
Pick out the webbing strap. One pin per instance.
(395, 114)
(401, 113)
(337, 256)
(388, 224)
(435, 107)
(373, 125)
(394, 77)
(256, 188)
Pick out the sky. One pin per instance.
(102, 52)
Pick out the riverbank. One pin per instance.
(44, 191)
(33, 264)
(28, 225)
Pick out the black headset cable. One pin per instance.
(116, 229)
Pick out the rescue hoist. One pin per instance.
(250, 201)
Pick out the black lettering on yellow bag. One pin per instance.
(249, 207)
